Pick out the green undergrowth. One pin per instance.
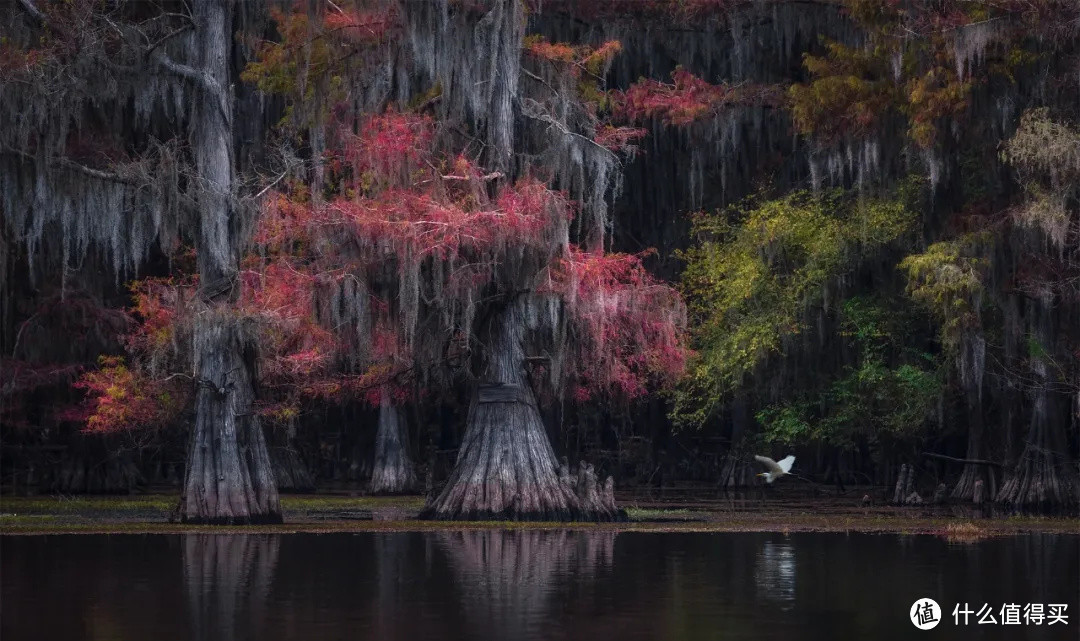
(653, 514)
(148, 514)
(948, 528)
(68, 504)
(303, 502)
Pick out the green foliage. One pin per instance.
(889, 393)
(917, 62)
(851, 90)
(947, 280)
(756, 268)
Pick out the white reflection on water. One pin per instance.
(774, 571)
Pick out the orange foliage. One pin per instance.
(120, 398)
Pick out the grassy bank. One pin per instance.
(337, 513)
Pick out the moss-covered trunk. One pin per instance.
(976, 450)
(1045, 479)
(393, 472)
(229, 476)
(506, 468)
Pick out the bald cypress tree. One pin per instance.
(119, 134)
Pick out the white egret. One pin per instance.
(776, 470)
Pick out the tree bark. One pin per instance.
(901, 484)
(229, 476)
(1044, 480)
(393, 472)
(976, 450)
(506, 468)
(290, 472)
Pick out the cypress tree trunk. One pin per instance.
(229, 476)
(506, 468)
(290, 472)
(1045, 480)
(393, 472)
(976, 449)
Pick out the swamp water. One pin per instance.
(525, 584)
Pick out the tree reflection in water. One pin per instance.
(227, 579)
(513, 581)
(774, 571)
(488, 584)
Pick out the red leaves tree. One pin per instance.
(388, 259)
(477, 269)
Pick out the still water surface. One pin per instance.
(497, 585)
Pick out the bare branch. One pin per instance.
(31, 8)
(74, 166)
(965, 461)
(206, 81)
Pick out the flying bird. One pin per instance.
(776, 470)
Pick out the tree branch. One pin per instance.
(205, 80)
(965, 461)
(31, 8)
(74, 166)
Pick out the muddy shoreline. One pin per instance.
(668, 512)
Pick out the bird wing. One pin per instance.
(770, 464)
(786, 463)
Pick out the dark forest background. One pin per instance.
(870, 209)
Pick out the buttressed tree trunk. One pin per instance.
(229, 475)
(506, 468)
(972, 367)
(1044, 480)
(393, 472)
(976, 450)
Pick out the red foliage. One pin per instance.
(361, 26)
(579, 57)
(687, 99)
(391, 148)
(283, 225)
(619, 139)
(295, 347)
(19, 379)
(119, 398)
(157, 304)
(550, 51)
(15, 62)
(413, 225)
(18, 376)
(628, 326)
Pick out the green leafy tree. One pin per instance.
(757, 268)
(889, 393)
